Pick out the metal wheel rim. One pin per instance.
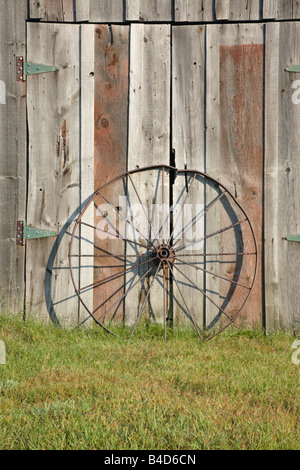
(176, 171)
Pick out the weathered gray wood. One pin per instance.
(222, 9)
(82, 10)
(143, 10)
(106, 11)
(288, 179)
(245, 10)
(53, 186)
(285, 9)
(208, 10)
(270, 9)
(296, 10)
(149, 126)
(188, 111)
(52, 10)
(194, 10)
(87, 35)
(271, 240)
(212, 160)
(12, 153)
(282, 173)
(149, 111)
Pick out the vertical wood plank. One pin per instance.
(222, 9)
(194, 10)
(285, 9)
(296, 10)
(271, 268)
(149, 126)
(143, 10)
(53, 186)
(149, 112)
(106, 11)
(110, 136)
(245, 10)
(188, 111)
(270, 9)
(87, 54)
(188, 95)
(52, 10)
(82, 10)
(208, 10)
(212, 161)
(241, 140)
(12, 153)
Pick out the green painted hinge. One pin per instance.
(28, 233)
(293, 238)
(293, 68)
(29, 68)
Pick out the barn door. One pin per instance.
(126, 97)
(60, 163)
(234, 143)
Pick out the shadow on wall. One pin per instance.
(50, 265)
(65, 231)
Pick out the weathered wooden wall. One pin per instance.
(282, 177)
(119, 11)
(224, 105)
(12, 152)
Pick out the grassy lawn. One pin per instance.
(87, 390)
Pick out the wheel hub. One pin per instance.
(164, 254)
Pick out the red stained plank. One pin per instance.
(241, 154)
(111, 107)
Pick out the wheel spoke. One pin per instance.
(186, 306)
(144, 302)
(138, 196)
(204, 213)
(163, 197)
(181, 247)
(216, 275)
(126, 220)
(214, 254)
(180, 212)
(202, 291)
(107, 256)
(112, 234)
(165, 293)
(113, 277)
(124, 295)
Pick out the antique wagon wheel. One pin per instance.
(159, 243)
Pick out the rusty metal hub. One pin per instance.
(164, 254)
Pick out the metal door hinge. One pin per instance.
(293, 68)
(28, 233)
(293, 238)
(29, 68)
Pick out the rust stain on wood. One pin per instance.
(111, 107)
(241, 155)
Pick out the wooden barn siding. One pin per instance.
(12, 153)
(149, 128)
(110, 146)
(119, 11)
(241, 145)
(54, 168)
(282, 176)
(281, 153)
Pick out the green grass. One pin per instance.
(84, 389)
